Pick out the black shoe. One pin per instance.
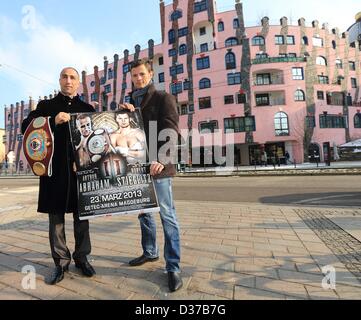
(142, 260)
(174, 281)
(85, 268)
(57, 275)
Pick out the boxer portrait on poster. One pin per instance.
(113, 176)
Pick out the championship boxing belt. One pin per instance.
(38, 146)
(98, 145)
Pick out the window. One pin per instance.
(161, 61)
(178, 69)
(236, 23)
(110, 74)
(352, 65)
(279, 40)
(171, 36)
(353, 82)
(261, 56)
(200, 6)
(234, 125)
(230, 61)
(239, 124)
(320, 95)
(204, 83)
(258, 41)
(176, 15)
(127, 99)
(340, 79)
(241, 98)
(329, 121)
(103, 80)
(281, 124)
(182, 32)
(339, 64)
(208, 127)
(317, 42)
(229, 99)
(203, 63)
(126, 68)
(220, 26)
(334, 45)
(205, 103)
(234, 78)
(124, 85)
(182, 49)
(299, 95)
(321, 61)
(323, 80)
(172, 52)
(297, 74)
(184, 109)
(310, 122)
(176, 88)
(305, 41)
(290, 40)
(204, 47)
(250, 124)
(94, 97)
(202, 31)
(292, 55)
(230, 42)
(186, 85)
(92, 84)
(262, 100)
(107, 88)
(357, 121)
(263, 79)
(19, 137)
(161, 77)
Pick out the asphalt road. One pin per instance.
(334, 191)
(330, 191)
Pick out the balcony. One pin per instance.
(5, 139)
(278, 60)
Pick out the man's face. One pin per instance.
(123, 120)
(69, 82)
(141, 76)
(85, 127)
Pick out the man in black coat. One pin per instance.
(160, 117)
(58, 193)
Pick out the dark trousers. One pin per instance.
(59, 249)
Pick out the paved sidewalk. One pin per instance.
(229, 251)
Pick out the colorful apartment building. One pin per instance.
(277, 88)
(2, 146)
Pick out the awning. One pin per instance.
(352, 144)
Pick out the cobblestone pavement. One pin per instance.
(229, 251)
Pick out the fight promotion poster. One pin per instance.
(111, 158)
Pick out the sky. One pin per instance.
(39, 37)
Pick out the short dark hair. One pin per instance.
(148, 63)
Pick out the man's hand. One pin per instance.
(61, 118)
(127, 106)
(156, 168)
(124, 151)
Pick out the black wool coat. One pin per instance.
(58, 194)
(160, 108)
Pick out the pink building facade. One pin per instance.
(270, 88)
